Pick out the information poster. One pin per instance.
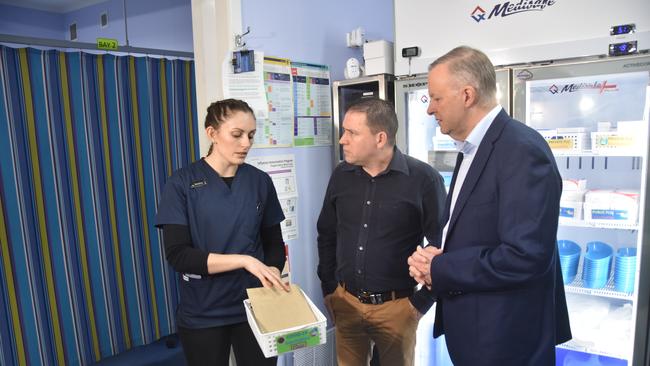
(277, 129)
(282, 170)
(247, 86)
(312, 104)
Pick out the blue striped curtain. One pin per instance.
(86, 144)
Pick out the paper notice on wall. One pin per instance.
(312, 104)
(247, 86)
(277, 129)
(290, 223)
(282, 170)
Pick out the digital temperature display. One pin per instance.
(622, 29)
(624, 48)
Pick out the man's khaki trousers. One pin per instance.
(391, 326)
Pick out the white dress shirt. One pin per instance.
(468, 149)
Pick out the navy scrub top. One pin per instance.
(221, 220)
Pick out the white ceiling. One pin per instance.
(55, 6)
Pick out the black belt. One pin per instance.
(376, 298)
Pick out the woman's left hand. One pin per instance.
(269, 276)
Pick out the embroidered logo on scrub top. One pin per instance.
(198, 184)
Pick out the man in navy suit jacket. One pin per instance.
(497, 274)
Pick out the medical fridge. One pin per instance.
(594, 115)
(419, 136)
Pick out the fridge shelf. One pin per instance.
(577, 287)
(591, 154)
(578, 346)
(601, 225)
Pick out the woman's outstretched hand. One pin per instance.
(269, 276)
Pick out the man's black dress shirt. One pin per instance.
(369, 226)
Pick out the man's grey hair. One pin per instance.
(470, 66)
(380, 116)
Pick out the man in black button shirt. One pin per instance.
(378, 207)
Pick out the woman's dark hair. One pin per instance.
(220, 111)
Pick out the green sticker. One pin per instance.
(296, 340)
(305, 141)
(107, 44)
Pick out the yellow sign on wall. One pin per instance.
(107, 44)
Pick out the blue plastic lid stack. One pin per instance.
(597, 264)
(569, 252)
(625, 269)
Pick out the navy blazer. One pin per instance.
(499, 284)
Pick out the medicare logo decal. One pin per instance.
(478, 14)
(508, 8)
(574, 87)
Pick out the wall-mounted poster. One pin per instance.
(312, 104)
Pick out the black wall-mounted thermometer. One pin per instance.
(411, 51)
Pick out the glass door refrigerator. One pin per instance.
(419, 136)
(347, 92)
(594, 115)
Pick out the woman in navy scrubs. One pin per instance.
(221, 228)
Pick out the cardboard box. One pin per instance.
(608, 206)
(377, 49)
(570, 211)
(264, 322)
(617, 143)
(378, 56)
(566, 142)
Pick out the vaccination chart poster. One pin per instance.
(282, 170)
(277, 129)
(312, 105)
